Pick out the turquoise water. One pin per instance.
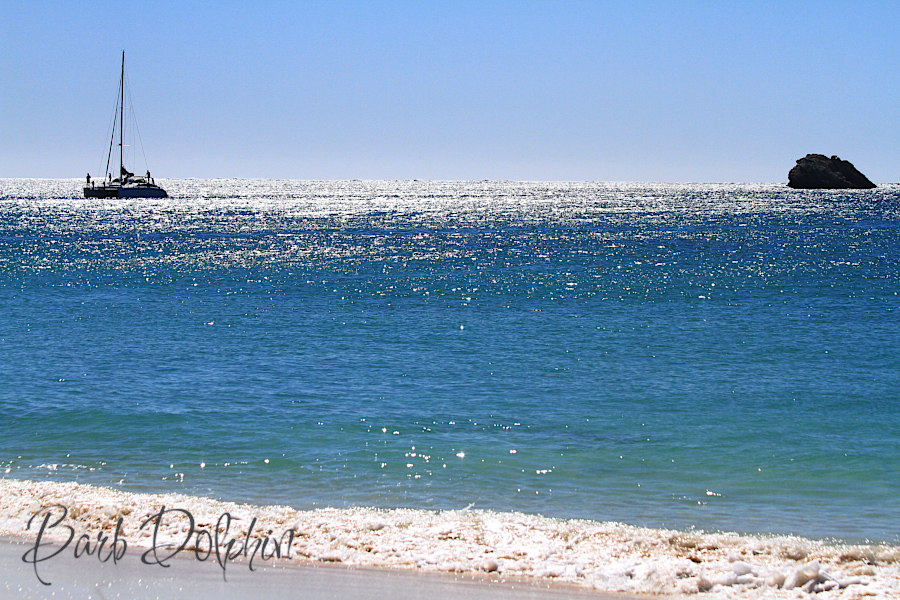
(714, 356)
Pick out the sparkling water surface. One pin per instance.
(711, 356)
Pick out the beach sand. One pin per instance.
(397, 553)
(86, 577)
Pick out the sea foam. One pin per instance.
(600, 555)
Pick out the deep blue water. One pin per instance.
(718, 356)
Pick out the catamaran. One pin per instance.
(127, 184)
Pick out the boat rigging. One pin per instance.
(127, 184)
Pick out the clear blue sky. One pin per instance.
(587, 91)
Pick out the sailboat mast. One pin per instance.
(122, 117)
(124, 185)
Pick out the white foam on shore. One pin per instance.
(603, 556)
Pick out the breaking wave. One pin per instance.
(605, 556)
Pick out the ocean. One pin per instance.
(680, 357)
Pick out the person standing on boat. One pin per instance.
(88, 179)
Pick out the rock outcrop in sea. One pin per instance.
(817, 171)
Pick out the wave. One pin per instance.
(605, 556)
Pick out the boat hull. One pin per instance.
(101, 192)
(114, 191)
(142, 191)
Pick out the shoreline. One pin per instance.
(609, 560)
(76, 578)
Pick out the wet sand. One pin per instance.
(87, 577)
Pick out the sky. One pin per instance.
(529, 91)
